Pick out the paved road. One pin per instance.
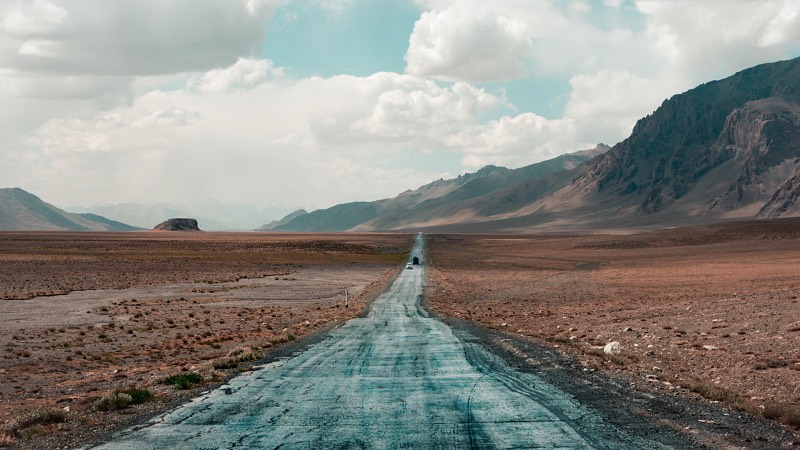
(395, 379)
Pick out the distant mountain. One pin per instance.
(276, 223)
(148, 215)
(214, 215)
(488, 191)
(23, 211)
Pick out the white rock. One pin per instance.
(613, 348)
(709, 347)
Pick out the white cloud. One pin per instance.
(29, 19)
(335, 6)
(277, 138)
(247, 73)
(468, 41)
(713, 39)
(129, 37)
(605, 105)
(580, 6)
(513, 141)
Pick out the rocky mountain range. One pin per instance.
(23, 211)
(725, 150)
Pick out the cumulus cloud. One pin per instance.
(710, 39)
(29, 19)
(247, 73)
(282, 137)
(129, 37)
(469, 41)
(513, 140)
(411, 109)
(605, 105)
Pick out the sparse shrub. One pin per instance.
(123, 399)
(716, 393)
(771, 364)
(236, 356)
(785, 414)
(42, 416)
(139, 395)
(113, 402)
(6, 438)
(184, 380)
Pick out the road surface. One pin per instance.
(395, 379)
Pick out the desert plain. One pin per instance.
(708, 312)
(84, 315)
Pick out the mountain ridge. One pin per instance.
(22, 211)
(441, 198)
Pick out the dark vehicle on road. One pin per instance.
(415, 261)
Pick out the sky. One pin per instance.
(310, 103)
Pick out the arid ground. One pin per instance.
(85, 315)
(709, 310)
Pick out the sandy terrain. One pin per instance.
(142, 306)
(710, 310)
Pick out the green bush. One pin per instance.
(139, 396)
(113, 402)
(183, 380)
(123, 399)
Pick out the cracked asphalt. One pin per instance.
(394, 379)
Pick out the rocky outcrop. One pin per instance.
(785, 201)
(177, 224)
(764, 138)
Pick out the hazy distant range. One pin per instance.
(212, 215)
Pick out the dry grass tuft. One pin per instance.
(235, 357)
(783, 413)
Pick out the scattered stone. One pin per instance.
(710, 347)
(613, 348)
(628, 329)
